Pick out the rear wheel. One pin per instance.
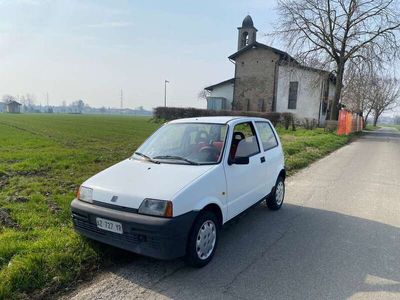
(202, 240)
(275, 201)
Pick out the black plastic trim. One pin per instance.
(163, 238)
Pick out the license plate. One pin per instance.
(109, 225)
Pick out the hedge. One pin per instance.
(172, 113)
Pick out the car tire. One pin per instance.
(275, 200)
(202, 240)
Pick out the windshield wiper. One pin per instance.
(177, 158)
(147, 157)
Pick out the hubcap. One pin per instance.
(279, 193)
(206, 238)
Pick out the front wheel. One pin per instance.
(202, 240)
(275, 201)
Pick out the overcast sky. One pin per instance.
(91, 49)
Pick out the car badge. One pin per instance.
(114, 199)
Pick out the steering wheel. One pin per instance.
(211, 150)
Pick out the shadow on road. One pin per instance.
(295, 253)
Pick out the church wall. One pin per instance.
(309, 92)
(255, 73)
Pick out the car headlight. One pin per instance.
(85, 194)
(155, 207)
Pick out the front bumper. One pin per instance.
(163, 238)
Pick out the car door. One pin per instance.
(245, 182)
(271, 151)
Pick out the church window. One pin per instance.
(293, 89)
(260, 104)
(245, 38)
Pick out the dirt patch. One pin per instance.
(17, 199)
(6, 220)
(13, 161)
(53, 206)
(32, 173)
(3, 181)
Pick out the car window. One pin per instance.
(267, 136)
(244, 141)
(183, 143)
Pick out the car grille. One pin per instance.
(129, 237)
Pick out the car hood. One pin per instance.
(133, 180)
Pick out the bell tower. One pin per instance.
(247, 33)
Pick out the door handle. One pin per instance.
(262, 159)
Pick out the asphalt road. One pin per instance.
(337, 236)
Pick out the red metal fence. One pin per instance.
(349, 122)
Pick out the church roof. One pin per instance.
(247, 22)
(281, 53)
(284, 56)
(211, 87)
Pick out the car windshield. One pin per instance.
(185, 143)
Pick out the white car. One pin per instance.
(183, 183)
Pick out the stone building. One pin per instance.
(267, 79)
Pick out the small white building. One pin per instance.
(221, 95)
(270, 80)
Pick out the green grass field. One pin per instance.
(44, 158)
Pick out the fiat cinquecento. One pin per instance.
(173, 195)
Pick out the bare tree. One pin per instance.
(369, 90)
(357, 82)
(386, 96)
(8, 98)
(77, 106)
(27, 102)
(338, 31)
(203, 94)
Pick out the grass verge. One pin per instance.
(370, 127)
(302, 147)
(44, 158)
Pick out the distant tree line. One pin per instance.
(29, 105)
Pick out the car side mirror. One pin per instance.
(239, 161)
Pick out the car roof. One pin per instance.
(216, 119)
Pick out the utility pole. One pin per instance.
(165, 92)
(122, 100)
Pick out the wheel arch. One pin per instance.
(282, 174)
(216, 210)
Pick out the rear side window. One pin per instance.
(244, 142)
(267, 136)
